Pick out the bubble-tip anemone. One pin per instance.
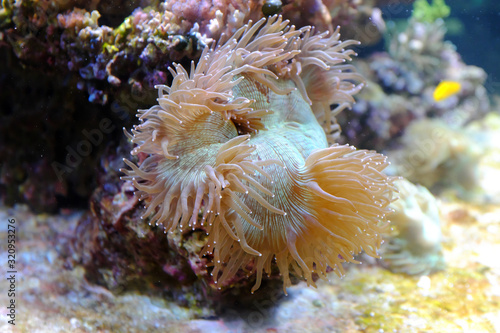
(239, 146)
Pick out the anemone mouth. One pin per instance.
(235, 146)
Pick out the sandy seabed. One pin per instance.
(465, 297)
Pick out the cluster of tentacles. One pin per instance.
(239, 146)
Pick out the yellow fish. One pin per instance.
(446, 89)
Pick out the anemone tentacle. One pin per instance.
(239, 146)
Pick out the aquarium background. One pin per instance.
(79, 253)
(472, 29)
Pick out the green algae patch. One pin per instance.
(423, 11)
(452, 300)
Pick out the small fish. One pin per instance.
(446, 89)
